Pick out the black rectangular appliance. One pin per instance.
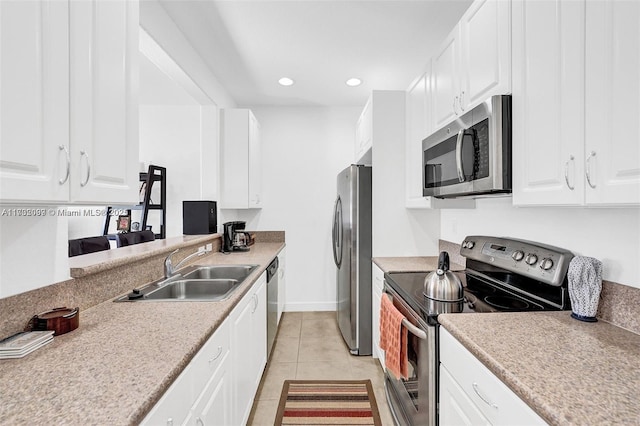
(199, 217)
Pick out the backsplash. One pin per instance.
(619, 304)
(91, 289)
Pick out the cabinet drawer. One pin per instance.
(173, 407)
(492, 397)
(210, 356)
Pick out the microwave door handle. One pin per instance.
(459, 165)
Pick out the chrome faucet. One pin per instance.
(169, 269)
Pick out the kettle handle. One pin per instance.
(443, 261)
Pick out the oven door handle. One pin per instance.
(414, 330)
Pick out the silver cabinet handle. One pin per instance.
(588, 168)
(460, 101)
(217, 355)
(566, 173)
(255, 301)
(86, 181)
(66, 152)
(486, 401)
(459, 155)
(455, 111)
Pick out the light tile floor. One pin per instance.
(309, 346)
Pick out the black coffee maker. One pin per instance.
(235, 239)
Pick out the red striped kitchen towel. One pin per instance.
(393, 338)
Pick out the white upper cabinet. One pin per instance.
(548, 99)
(364, 133)
(446, 83)
(612, 100)
(241, 160)
(418, 114)
(418, 127)
(34, 100)
(474, 61)
(69, 121)
(576, 103)
(485, 60)
(104, 103)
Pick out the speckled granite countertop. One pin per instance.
(121, 359)
(411, 264)
(569, 372)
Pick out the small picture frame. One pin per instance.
(124, 223)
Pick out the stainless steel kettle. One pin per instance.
(443, 285)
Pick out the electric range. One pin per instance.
(501, 275)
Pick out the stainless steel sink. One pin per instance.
(212, 272)
(183, 289)
(195, 283)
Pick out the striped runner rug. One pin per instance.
(327, 402)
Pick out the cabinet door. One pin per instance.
(486, 52)
(548, 102)
(377, 288)
(612, 102)
(455, 408)
(417, 129)
(364, 131)
(242, 348)
(249, 346)
(104, 105)
(445, 80)
(259, 332)
(255, 163)
(282, 284)
(213, 407)
(34, 100)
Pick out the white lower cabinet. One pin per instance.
(249, 343)
(282, 284)
(181, 403)
(471, 394)
(377, 288)
(219, 384)
(455, 406)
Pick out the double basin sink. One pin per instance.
(194, 283)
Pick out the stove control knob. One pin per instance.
(546, 264)
(531, 259)
(518, 255)
(464, 244)
(470, 244)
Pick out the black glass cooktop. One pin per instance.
(480, 296)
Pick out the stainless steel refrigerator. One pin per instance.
(352, 256)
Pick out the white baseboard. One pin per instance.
(309, 306)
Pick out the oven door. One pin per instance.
(413, 400)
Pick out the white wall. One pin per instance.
(609, 234)
(397, 231)
(170, 137)
(303, 150)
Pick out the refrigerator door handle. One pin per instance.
(337, 232)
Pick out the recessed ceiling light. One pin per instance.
(285, 81)
(353, 82)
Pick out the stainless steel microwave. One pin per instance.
(472, 155)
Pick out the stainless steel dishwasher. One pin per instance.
(272, 304)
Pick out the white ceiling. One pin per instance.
(250, 44)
